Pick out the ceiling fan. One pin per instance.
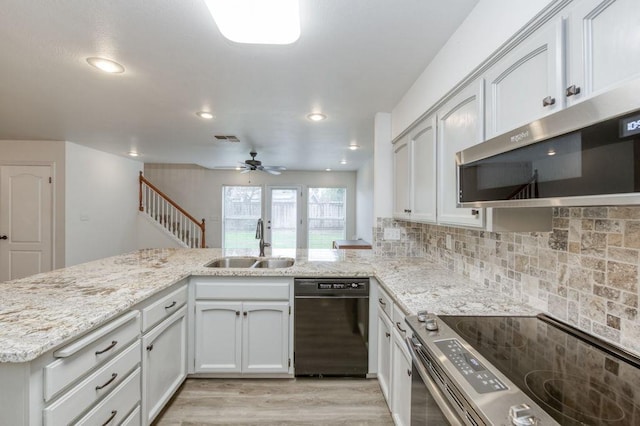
(254, 164)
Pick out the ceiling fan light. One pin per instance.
(257, 21)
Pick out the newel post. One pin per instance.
(140, 207)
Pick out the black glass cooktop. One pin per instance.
(575, 381)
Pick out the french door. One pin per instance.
(283, 218)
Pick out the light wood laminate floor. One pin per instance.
(303, 401)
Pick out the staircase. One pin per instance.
(169, 215)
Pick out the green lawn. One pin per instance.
(283, 239)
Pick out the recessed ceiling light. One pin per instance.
(106, 65)
(343, 162)
(328, 170)
(316, 116)
(133, 154)
(551, 152)
(257, 21)
(204, 114)
(353, 147)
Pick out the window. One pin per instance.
(242, 207)
(326, 216)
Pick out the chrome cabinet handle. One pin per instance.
(572, 90)
(113, 377)
(171, 305)
(549, 100)
(400, 328)
(110, 419)
(108, 348)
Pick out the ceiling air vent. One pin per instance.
(230, 138)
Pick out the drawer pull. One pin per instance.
(110, 419)
(244, 313)
(171, 305)
(108, 348)
(400, 328)
(237, 313)
(382, 302)
(572, 90)
(549, 100)
(113, 377)
(150, 347)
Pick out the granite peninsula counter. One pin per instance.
(44, 311)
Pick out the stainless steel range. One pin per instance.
(519, 371)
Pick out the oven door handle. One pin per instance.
(432, 388)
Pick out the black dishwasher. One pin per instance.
(331, 335)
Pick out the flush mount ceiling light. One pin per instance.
(551, 152)
(316, 116)
(257, 21)
(204, 114)
(106, 65)
(353, 147)
(343, 162)
(133, 154)
(328, 169)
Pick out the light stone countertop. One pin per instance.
(44, 311)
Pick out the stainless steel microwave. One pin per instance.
(585, 155)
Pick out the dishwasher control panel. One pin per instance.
(341, 286)
(328, 287)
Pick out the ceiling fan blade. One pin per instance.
(271, 172)
(274, 168)
(246, 171)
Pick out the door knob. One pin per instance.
(4, 237)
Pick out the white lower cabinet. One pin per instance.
(164, 362)
(401, 382)
(242, 337)
(384, 354)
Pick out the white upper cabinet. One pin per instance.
(527, 83)
(401, 181)
(460, 122)
(423, 170)
(603, 44)
(414, 165)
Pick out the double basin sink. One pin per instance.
(251, 262)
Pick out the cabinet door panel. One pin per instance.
(401, 378)
(423, 167)
(518, 83)
(459, 126)
(265, 336)
(218, 329)
(604, 46)
(401, 153)
(164, 362)
(384, 354)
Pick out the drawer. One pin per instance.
(385, 302)
(117, 405)
(264, 289)
(398, 321)
(134, 419)
(97, 385)
(163, 307)
(89, 352)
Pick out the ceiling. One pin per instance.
(354, 58)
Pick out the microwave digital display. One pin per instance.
(630, 126)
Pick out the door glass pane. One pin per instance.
(327, 216)
(284, 218)
(242, 207)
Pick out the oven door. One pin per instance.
(428, 405)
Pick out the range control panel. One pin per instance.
(481, 379)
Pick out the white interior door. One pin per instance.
(26, 218)
(283, 218)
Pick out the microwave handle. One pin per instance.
(432, 388)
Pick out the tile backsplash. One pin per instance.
(585, 271)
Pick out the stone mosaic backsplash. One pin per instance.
(585, 271)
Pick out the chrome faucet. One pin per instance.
(260, 236)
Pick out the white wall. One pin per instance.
(41, 153)
(199, 190)
(364, 201)
(489, 25)
(101, 204)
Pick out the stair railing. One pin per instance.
(170, 215)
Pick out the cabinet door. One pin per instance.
(527, 83)
(401, 158)
(384, 354)
(459, 126)
(164, 362)
(604, 48)
(423, 171)
(265, 337)
(218, 342)
(401, 382)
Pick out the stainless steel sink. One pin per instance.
(251, 262)
(232, 262)
(285, 262)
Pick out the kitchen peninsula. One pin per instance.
(44, 314)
